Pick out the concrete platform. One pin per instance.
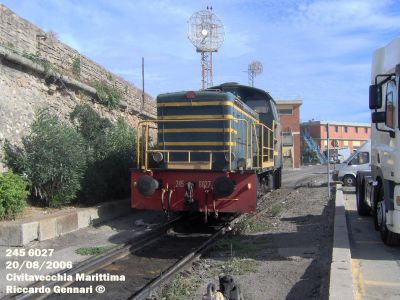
(44, 227)
(341, 278)
(376, 266)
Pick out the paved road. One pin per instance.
(294, 177)
(376, 267)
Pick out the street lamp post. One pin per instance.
(328, 165)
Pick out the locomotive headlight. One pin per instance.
(232, 158)
(147, 185)
(223, 187)
(158, 156)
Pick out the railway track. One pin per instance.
(146, 262)
(97, 262)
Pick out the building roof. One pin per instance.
(336, 123)
(289, 102)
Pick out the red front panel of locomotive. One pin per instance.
(173, 193)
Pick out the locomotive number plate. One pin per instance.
(205, 184)
(180, 183)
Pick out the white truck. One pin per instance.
(378, 191)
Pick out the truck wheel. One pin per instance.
(349, 180)
(362, 208)
(388, 237)
(377, 196)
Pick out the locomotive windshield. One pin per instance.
(258, 105)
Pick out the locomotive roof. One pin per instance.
(208, 95)
(244, 88)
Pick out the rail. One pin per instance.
(97, 262)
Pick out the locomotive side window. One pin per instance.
(258, 105)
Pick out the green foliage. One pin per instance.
(179, 288)
(76, 66)
(53, 158)
(13, 194)
(276, 209)
(47, 66)
(15, 158)
(239, 266)
(93, 128)
(93, 250)
(108, 95)
(309, 156)
(110, 153)
(90, 160)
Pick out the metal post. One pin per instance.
(327, 154)
(142, 83)
(210, 83)
(230, 141)
(203, 80)
(146, 147)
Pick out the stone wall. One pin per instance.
(24, 87)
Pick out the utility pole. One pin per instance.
(142, 84)
(327, 154)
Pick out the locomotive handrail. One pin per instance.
(146, 123)
(251, 129)
(260, 157)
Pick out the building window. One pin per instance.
(336, 128)
(346, 129)
(366, 129)
(356, 129)
(285, 111)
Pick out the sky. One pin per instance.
(317, 51)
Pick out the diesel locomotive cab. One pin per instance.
(265, 106)
(213, 147)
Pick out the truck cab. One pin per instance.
(378, 192)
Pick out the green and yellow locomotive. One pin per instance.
(213, 148)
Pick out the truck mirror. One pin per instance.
(375, 101)
(397, 70)
(378, 117)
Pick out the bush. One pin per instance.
(120, 143)
(13, 194)
(15, 158)
(110, 154)
(90, 161)
(108, 95)
(53, 158)
(76, 67)
(93, 129)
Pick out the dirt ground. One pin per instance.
(283, 252)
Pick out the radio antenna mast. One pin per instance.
(206, 32)
(254, 69)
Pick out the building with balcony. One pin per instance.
(289, 112)
(341, 134)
